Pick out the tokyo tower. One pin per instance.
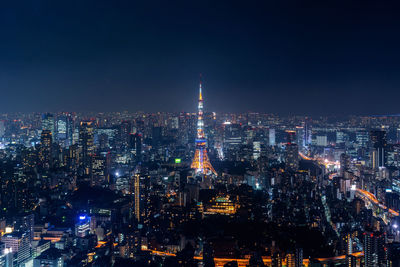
(201, 162)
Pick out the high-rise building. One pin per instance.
(322, 140)
(141, 194)
(99, 174)
(374, 249)
(86, 146)
(125, 131)
(379, 147)
(271, 136)
(45, 153)
(135, 145)
(64, 129)
(48, 123)
(25, 223)
(201, 163)
(307, 132)
(6, 256)
(82, 226)
(344, 163)
(2, 128)
(18, 242)
(292, 153)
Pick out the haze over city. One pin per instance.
(284, 57)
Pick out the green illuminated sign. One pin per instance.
(178, 160)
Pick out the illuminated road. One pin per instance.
(322, 161)
(220, 262)
(371, 197)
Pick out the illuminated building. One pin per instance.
(351, 261)
(6, 256)
(86, 146)
(18, 242)
(201, 162)
(271, 137)
(222, 205)
(292, 152)
(141, 195)
(48, 123)
(98, 170)
(82, 227)
(45, 155)
(290, 260)
(379, 144)
(374, 250)
(137, 197)
(2, 128)
(135, 145)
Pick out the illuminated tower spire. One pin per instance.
(201, 162)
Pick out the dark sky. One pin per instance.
(288, 57)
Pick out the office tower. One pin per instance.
(398, 135)
(18, 243)
(348, 241)
(362, 138)
(201, 162)
(25, 223)
(135, 145)
(256, 150)
(340, 137)
(48, 123)
(6, 256)
(156, 135)
(2, 128)
(307, 132)
(125, 131)
(82, 227)
(291, 137)
(64, 129)
(292, 153)
(175, 123)
(98, 170)
(45, 153)
(271, 136)
(374, 249)
(344, 163)
(86, 146)
(322, 140)
(299, 136)
(379, 146)
(141, 194)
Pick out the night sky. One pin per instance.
(285, 57)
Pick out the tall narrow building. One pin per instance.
(201, 162)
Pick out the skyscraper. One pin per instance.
(378, 149)
(292, 152)
(86, 146)
(201, 162)
(48, 123)
(45, 153)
